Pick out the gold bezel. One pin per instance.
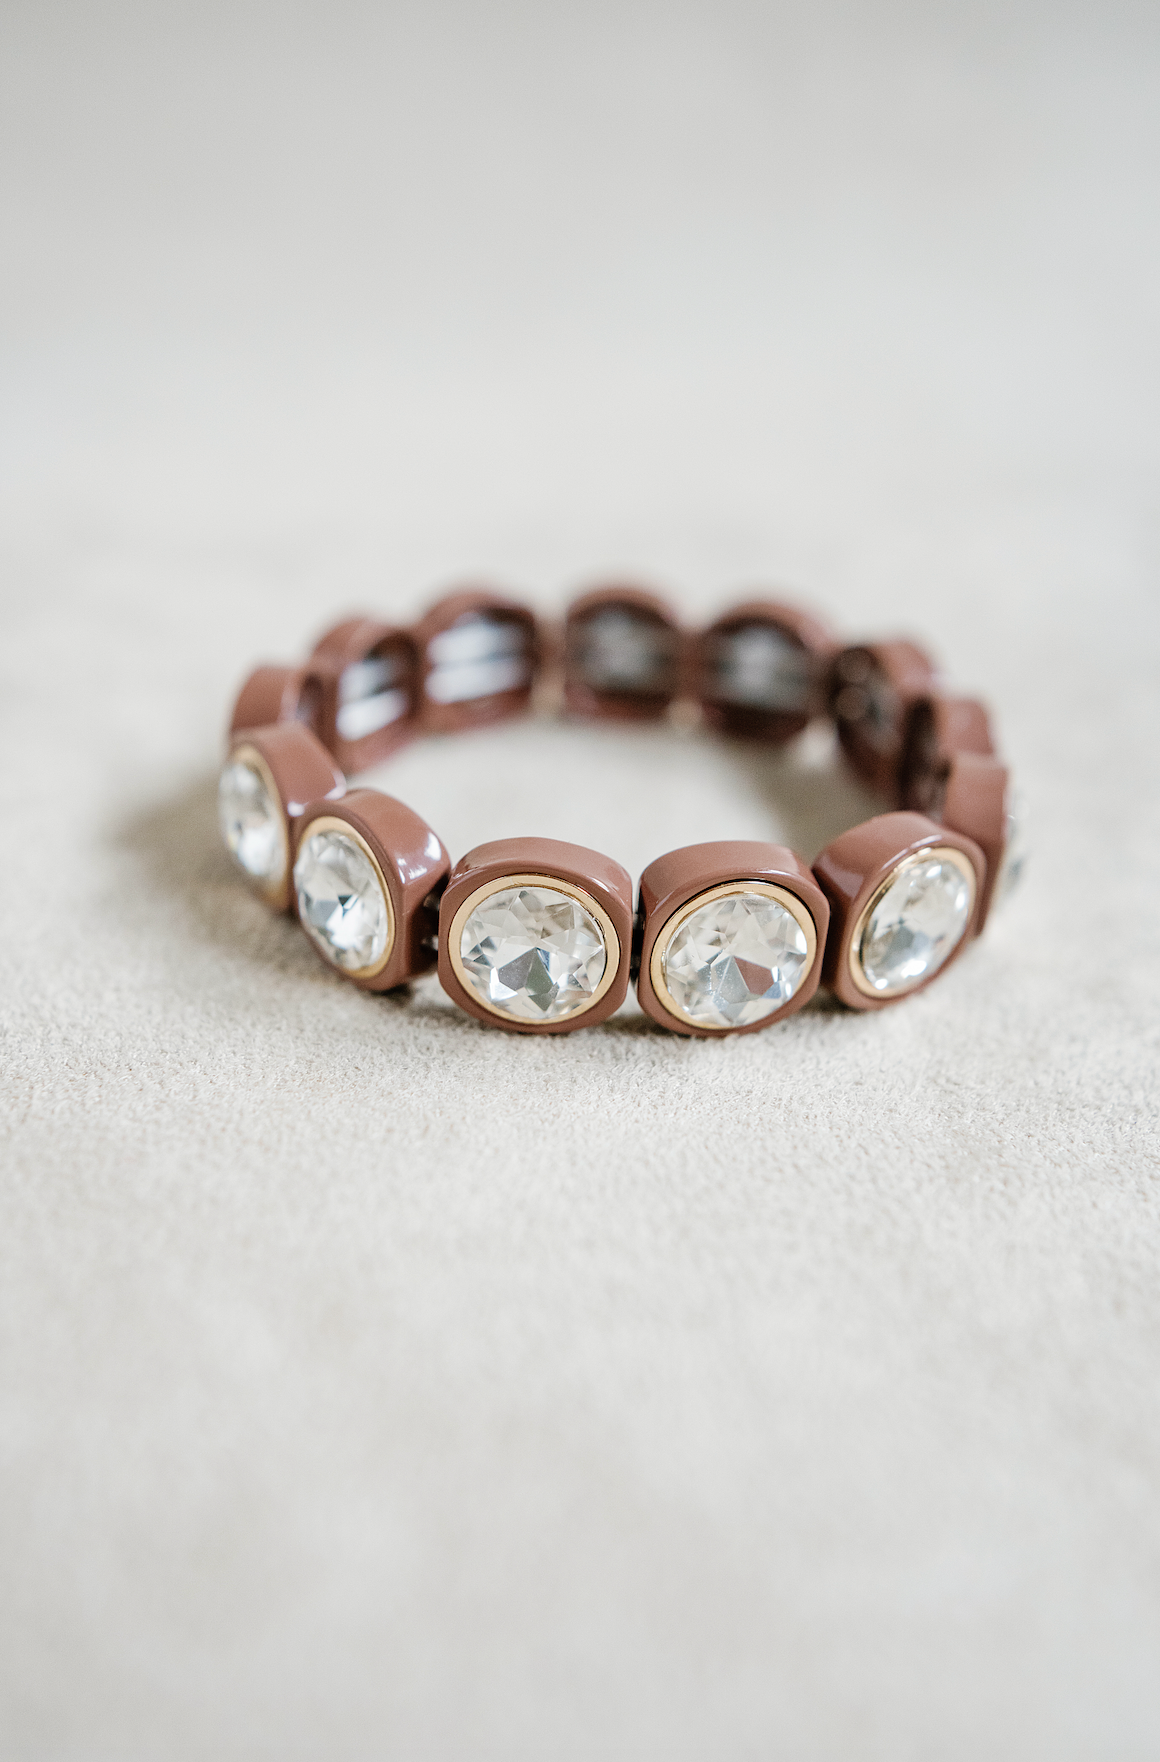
(501, 884)
(275, 893)
(945, 852)
(770, 890)
(332, 823)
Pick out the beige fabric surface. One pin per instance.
(375, 1384)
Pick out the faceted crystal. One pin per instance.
(533, 952)
(915, 925)
(251, 823)
(735, 960)
(340, 900)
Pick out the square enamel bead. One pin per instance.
(731, 937)
(623, 655)
(976, 801)
(759, 670)
(903, 894)
(478, 655)
(535, 935)
(269, 778)
(939, 727)
(366, 869)
(872, 688)
(369, 698)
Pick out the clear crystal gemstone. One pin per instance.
(533, 953)
(735, 960)
(252, 823)
(916, 924)
(340, 900)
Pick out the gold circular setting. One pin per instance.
(275, 893)
(503, 884)
(959, 860)
(331, 823)
(770, 890)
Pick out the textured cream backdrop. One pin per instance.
(377, 1385)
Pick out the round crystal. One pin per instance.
(251, 822)
(735, 960)
(916, 924)
(341, 903)
(533, 953)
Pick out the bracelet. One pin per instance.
(541, 936)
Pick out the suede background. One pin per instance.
(377, 1384)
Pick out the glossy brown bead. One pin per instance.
(474, 615)
(807, 646)
(976, 802)
(938, 728)
(871, 690)
(275, 694)
(604, 882)
(850, 872)
(623, 655)
(681, 876)
(369, 667)
(296, 766)
(412, 864)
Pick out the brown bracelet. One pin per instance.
(541, 936)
